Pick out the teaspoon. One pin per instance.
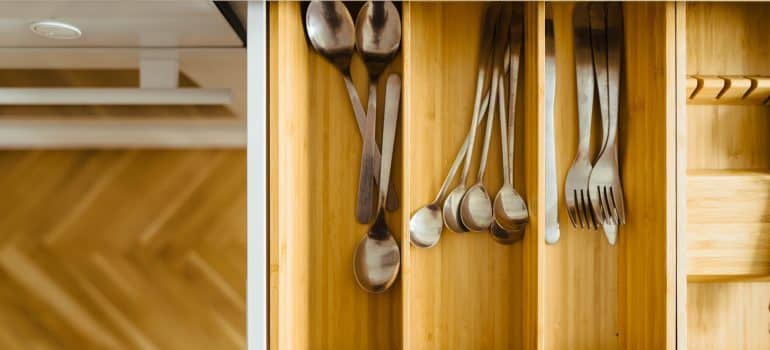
(426, 223)
(510, 210)
(476, 205)
(451, 209)
(377, 258)
(378, 37)
(332, 34)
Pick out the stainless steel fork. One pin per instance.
(576, 195)
(606, 190)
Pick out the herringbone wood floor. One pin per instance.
(122, 249)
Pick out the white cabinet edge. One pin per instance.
(257, 170)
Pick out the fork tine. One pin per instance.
(617, 201)
(609, 206)
(620, 205)
(578, 209)
(595, 199)
(583, 207)
(605, 205)
(586, 211)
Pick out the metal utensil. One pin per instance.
(451, 209)
(551, 198)
(510, 210)
(378, 38)
(605, 183)
(476, 205)
(426, 223)
(606, 191)
(377, 258)
(332, 34)
(576, 196)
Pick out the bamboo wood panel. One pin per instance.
(581, 271)
(123, 250)
(647, 243)
(465, 293)
(728, 316)
(727, 151)
(314, 162)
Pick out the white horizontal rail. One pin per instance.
(114, 96)
(106, 133)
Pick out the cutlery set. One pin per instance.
(593, 191)
(376, 36)
(471, 209)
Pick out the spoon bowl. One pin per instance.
(510, 209)
(377, 258)
(425, 226)
(331, 31)
(476, 208)
(378, 34)
(506, 235)
(452, 210)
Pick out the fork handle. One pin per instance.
(584, 74)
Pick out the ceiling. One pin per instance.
(189, 23)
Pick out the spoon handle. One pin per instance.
(366, 174)
(486, 56)
(517, 35)
(389, 124)
(460, 155)
(392, 202)
(503, 130)
(501, 43)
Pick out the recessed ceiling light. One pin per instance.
(55, 30)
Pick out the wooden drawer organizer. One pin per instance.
(726, 155)
(468, 292)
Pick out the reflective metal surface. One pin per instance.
(452, 203)
(606, 191)
(576, 196)
(426, 223)
(330, 29)
(509, 208)
(378, 37)
(551, 198)
(377, 258)
(476, 206)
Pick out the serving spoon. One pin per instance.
(476, 205)
(378, 38)
(332, 34)
(377, 258)
(451, 209)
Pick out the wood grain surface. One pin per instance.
(123, 250)
(315, 302)
(728, 161)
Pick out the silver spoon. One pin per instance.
(451, 208)
(506, 229)
(510, 210)
(476, 205)
(377, 258)
(378, 37)
(332, 34)
(426, 223)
